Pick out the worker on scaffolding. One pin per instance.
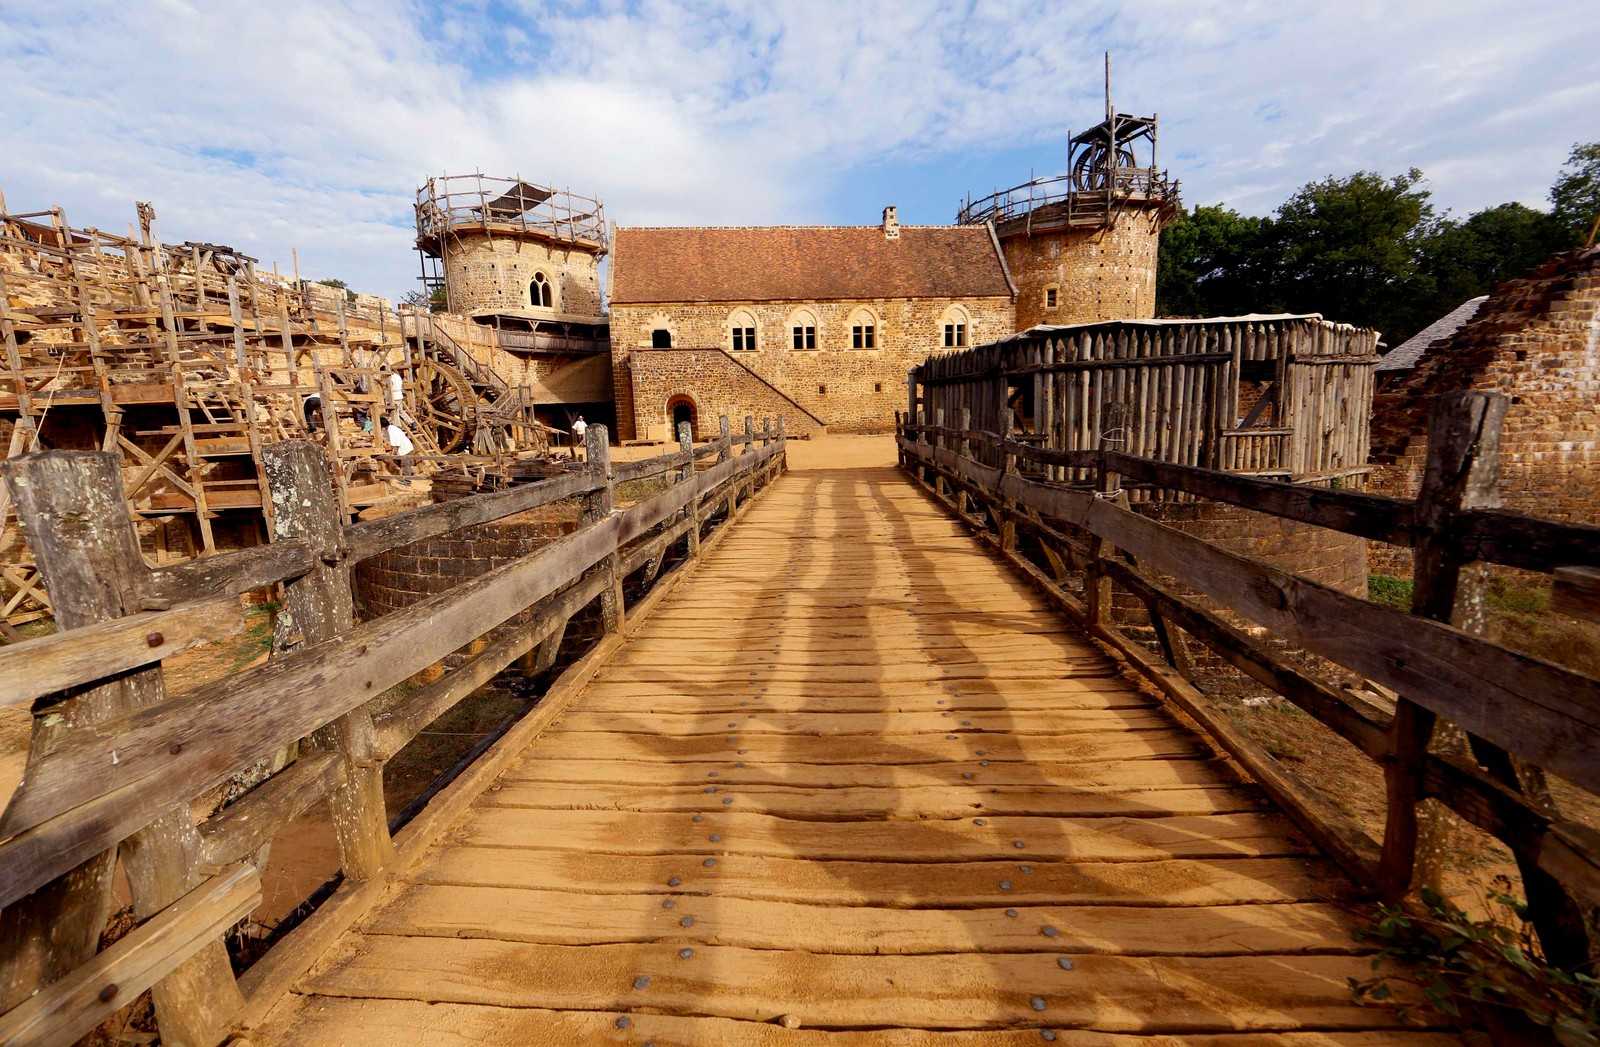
(395, 388)
(397, 438)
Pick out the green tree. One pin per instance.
(1215, 262)
(1471, 258)
(1575, 197)
(1350, 248)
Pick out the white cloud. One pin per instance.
(311, 123)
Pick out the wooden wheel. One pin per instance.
(447, 406)
(1090, 171)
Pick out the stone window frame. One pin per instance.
(549, 287)
(803, 327)
(1052, 296)
(955, 327)
(747, 332)
(865, 328)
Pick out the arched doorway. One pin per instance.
(682, 409)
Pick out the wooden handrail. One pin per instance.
(110, 776)
(1496, 536)
(1543, 714)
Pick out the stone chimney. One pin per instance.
(891, 223)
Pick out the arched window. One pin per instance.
(954, 326)
(661, 338)
(539, 294)
(803, 329)
(742, 331)
(863, 329)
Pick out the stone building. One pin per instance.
(818, 324)
(1537, 340)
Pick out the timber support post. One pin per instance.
(1002, 509)
(321, 607)
(72, 512)
(597, 506)
(964, 448)
(1107, 485)
(691, 512)
(1462, 473)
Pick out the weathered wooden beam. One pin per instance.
(235, 572)
(72, 1006)
(648, 467)
(401, 722)
(274, 974)
(1352, 512)
(1565, 851)
(371, 537)
(1547, 714)
(111, 779)
(72, 513)
(250, 822)
(321, 607)
(1363, 726)
(71, 658)
(1577, 592)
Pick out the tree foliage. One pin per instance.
(1367, 249)
(1575, 198)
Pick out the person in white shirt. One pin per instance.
(578, 429)
(396, 438)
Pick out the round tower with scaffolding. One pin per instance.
(1082, 246)
(505, 247)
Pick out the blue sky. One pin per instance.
(308, 123)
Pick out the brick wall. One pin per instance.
(491, 274)
(846, 389)
(1099, 274)
(1536, 340)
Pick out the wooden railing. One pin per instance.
(1523, 716)
(116, 763)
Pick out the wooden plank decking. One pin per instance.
(854, 778)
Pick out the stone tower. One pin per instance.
(1082, 246)
(504, 247)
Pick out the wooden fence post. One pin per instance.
(596, 507)
(71, 509)
(749, 485)
(964, 448)
(941, 486)
(691, 512)
(321, 607)
(1096, 583)
(1003, 511)
(1462, 473)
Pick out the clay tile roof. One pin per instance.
(802, 263)
(1404, 356)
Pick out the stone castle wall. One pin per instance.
(846, 389)
(1536, 340)
(1098, 274)
(486, 274)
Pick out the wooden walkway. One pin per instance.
(854, 779)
